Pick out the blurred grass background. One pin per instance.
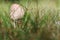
(40, 22)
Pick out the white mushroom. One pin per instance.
(16, 12)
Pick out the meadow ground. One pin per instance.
(41, 21)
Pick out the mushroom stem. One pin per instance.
(14, 24)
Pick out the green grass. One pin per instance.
(37, 24)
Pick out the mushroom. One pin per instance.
(16, 12)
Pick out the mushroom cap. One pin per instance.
(16, 12)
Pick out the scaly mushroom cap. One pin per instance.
(16, 12)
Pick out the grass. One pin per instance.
(37, 24)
